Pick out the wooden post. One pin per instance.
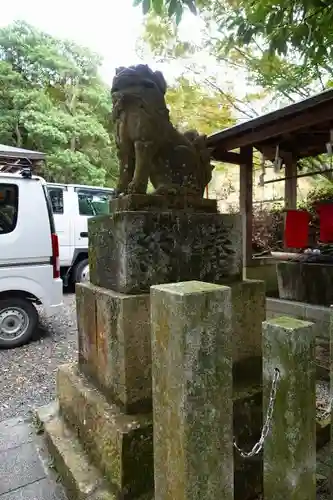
(290, 446)
(290, 187)
(290, 184)
(245, 201)
(192, 391)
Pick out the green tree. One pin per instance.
(304, 26)
(194, 107)
(284, 78)
(174, 8)
(161, 41)
(52, 99)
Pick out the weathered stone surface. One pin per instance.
(248, 313)
(130, 251)
(121, 446)
(120, 351)
(86, 325)
(162, 203)
(192, 391)
(80, 479)
(290, 448)
(306, 282)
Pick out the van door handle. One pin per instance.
(84, 235)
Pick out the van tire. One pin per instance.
(24, 310)
(79, 271)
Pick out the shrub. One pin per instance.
(268, 223)
(267, 229)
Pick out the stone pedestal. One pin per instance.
(105, 399)
(131, 251)
(248, 313)
(114, 345)
(120, 445)
(159, 203)
(102, 427)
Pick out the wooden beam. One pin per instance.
(299, 176)
(226, 156)
(269, 152)
(281, 126)
(246, 202)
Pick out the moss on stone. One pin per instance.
(192, 390)
(290, 448)
(289, 322)
(188, 287)
(120, 445)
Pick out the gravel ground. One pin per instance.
(27, 374)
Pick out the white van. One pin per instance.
(72, 205)
(29, 257)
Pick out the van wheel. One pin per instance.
(18, 322)
(81, 271)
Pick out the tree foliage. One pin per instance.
(194, 107)
(301, 26)
(174, 8)
(165, 45)
(304, 26)
(52, 100)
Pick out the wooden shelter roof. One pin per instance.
(301, 129)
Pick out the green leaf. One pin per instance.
(191, 5)
(179, 13)
(158, 6)
(247, 36)
(172, 7)
(146, 5)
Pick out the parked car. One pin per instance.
(72, 205)
(29, 256)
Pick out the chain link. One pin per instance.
(267, 425)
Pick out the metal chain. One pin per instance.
(267, 425)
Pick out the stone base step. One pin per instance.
(81, 480)
(120, 445)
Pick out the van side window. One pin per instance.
(57, 200)
(8, 207)
(93, 202)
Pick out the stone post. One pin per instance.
(192, 391)
(290, 447)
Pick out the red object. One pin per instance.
(296, 231)
(55, 256)
(325, 212)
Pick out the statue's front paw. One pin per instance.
(135, 188)
(119, 192)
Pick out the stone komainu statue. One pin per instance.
(149, 146)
